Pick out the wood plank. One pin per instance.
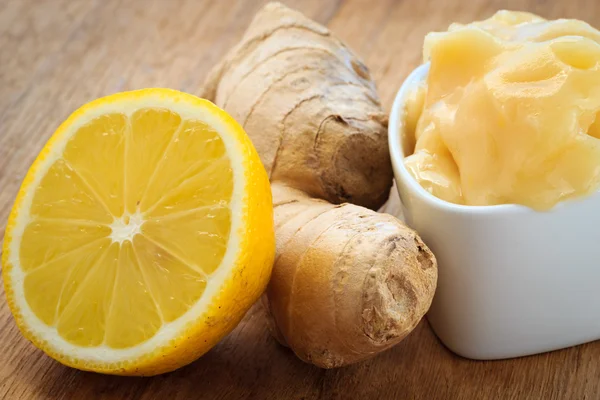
(56, 55)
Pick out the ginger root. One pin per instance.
(309, 106)
(347, 282)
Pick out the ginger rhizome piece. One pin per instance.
(347, 281)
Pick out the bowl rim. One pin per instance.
(396, 127)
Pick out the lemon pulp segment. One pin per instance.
(126, 227)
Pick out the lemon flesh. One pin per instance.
(129, 224)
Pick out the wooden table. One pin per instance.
(56, 55)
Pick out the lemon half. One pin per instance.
(141, 234)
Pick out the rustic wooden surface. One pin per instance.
(58, 54)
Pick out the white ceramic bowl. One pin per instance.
(512, 281)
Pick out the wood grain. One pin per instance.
(58, 54)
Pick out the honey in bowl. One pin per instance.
(510, 112)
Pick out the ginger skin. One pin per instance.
(347, 282)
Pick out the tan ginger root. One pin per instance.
(309, 106)
(347, 282)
